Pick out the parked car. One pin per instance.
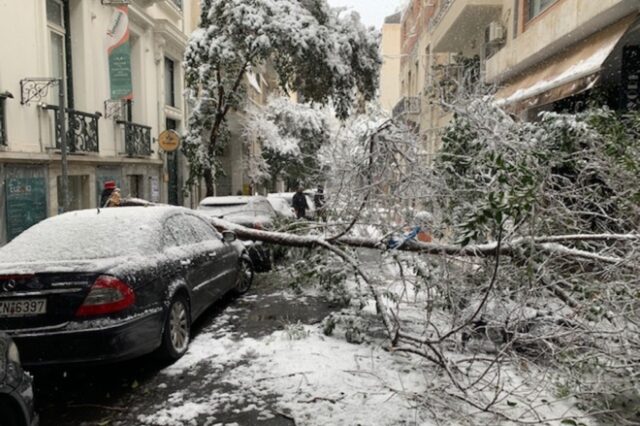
(281, 206)
(288, 197)
(251, 211)
(113, 284)
(16, 392)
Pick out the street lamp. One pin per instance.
(36, 89)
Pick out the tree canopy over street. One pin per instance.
(322, 54)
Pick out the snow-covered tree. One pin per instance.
(534, 269)
(325, 55)
(290, 135)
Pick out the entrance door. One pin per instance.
(172, 168)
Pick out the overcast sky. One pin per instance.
(372, 12)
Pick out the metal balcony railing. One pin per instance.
(407, 105)
(445, 5)
(137, 139)
(82, 130)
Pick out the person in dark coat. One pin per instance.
(318, 200)
(109, 187)
(299, 203)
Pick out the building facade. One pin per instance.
(537, 55)
(391, 49)
(108, 137)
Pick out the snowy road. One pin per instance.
(133, 393)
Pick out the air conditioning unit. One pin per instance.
(496, 32)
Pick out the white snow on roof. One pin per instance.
(90, 234)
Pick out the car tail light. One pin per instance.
(107, 295)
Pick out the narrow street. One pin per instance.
(118, 394)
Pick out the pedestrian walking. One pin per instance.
(318, 200)
(109, 187)
(299, 203)
(115, 199)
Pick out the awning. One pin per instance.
(568, 73)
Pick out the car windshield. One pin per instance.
(87, 234)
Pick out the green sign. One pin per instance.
(119, 51)
(26, 204)
(120, 72)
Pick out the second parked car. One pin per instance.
(250, 211)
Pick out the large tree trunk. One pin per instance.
(208, 180)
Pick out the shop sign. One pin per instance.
(169, 140)
(26, 204)
(119, 53)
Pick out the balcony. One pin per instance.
(458, 22)
(137, 139)
(407, 106)
(82, 131)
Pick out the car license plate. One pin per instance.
(22, 308)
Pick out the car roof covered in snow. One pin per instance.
(230, 200)
(91, 234)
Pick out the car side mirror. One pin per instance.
(228, 236)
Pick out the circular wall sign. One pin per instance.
(169, 140)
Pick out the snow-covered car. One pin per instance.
(288, 197)
(281, 206)
(113, 284)
(251, 211)
(16, 392)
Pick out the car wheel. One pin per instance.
(244, 279)
(10, 414)
(177, 329)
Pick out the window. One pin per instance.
(57, 33)
(169, 82)
(182, 233)
(536, 7)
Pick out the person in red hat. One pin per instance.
(109, 187)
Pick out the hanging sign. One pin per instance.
(169, 140)
(119, 52)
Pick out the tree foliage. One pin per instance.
(322, 54)
(290, 135)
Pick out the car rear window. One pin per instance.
(78, 235)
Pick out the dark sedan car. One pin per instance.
(251, 211)
(16, 393)
(108, 285)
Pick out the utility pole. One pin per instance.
(35, 90)
(63, 145)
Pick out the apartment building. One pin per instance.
(390, 47)
(537, 54)
(117, 65)
(558, 54)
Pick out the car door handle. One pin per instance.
(185, 262)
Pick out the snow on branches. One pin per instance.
(322, 54)
(290, 135)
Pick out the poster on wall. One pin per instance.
(119, 52)
(26, 204)
(155, 189)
